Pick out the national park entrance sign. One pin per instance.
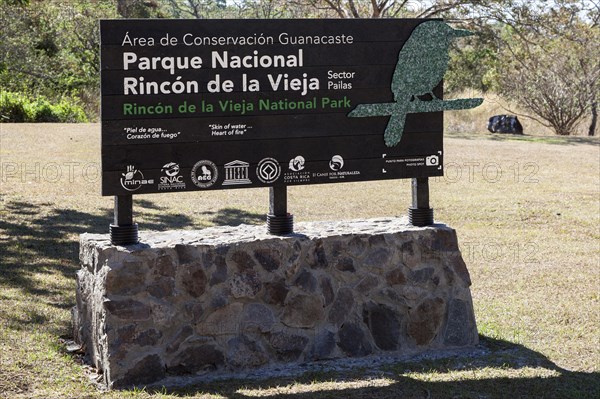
(195, 105)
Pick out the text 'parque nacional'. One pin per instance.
(219, 60)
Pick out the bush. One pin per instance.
(15, 107)
(68, 111)
(44, 112)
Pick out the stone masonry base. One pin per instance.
(184, 303)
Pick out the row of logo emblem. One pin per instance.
(205, 173)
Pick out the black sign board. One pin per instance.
(222, 104)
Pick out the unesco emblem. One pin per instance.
(268, 170)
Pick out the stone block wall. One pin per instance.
(236, 298)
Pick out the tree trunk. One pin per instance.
(592, 130)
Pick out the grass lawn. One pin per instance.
(527, 213)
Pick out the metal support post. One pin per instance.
(279, 221)
(123, 231)
(420, 214)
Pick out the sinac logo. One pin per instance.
(171, 169)
(171, 180)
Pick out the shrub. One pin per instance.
(15, 107)
(68, 111)
(44, 112)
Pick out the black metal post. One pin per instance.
(420, 214)
(279, 221)
(123, 231)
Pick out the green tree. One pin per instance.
(395, 8)
(266, 9)
(139, 9)
(551, 63)
(51, 48)
(197, 9)
(474, 63)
